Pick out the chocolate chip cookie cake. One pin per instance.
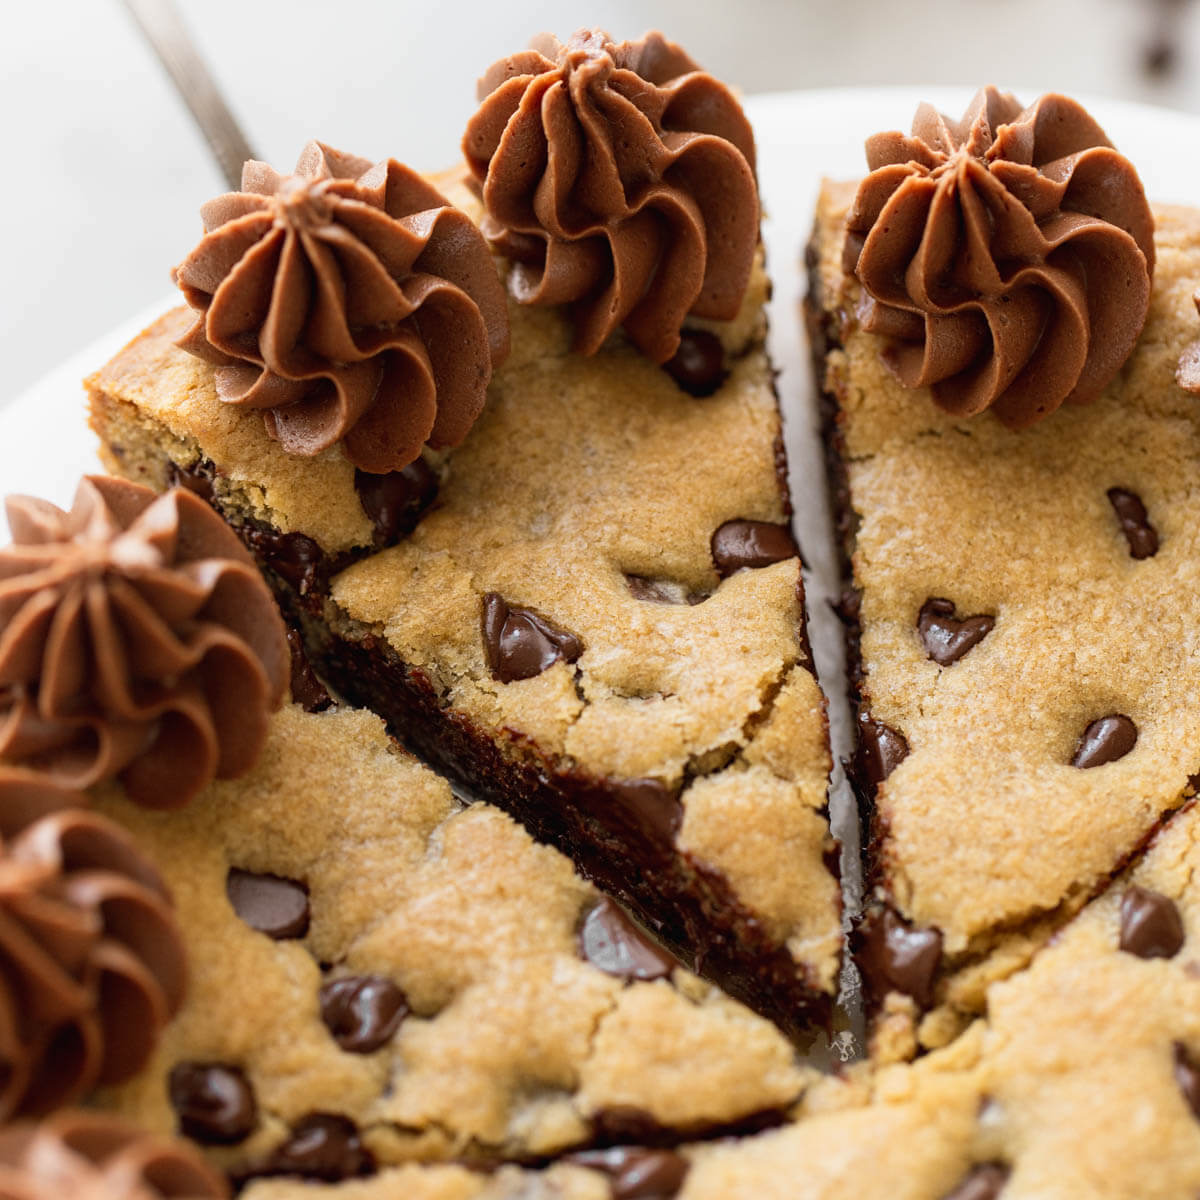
(588, 609)
(412, 764)
(1021, 603)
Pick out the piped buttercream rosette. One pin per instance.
(619, 178)
(1006, 258)
(137, 641)
(94, 963)
(96, 1156)
(349, 302)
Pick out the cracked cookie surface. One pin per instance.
(1083, 1080)
(510, 1041)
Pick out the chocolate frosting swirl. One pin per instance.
(351, 303)
(619, 177)
(137, 641)
(94, 963)
(95, 1156)
(1006, 257)
(27, 795)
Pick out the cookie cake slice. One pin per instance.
(265, 927)
(588, 608)
(996, 315)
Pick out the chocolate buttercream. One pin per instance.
(94, 964)
(137, 640)
(619, 178)
(351, 303)
(1006, 257)
(26, 795)
(94, 1156)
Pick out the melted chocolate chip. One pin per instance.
(1151, 926)
(197, 478)
(396, 502)
(739, 544)
(521, 643)
(215, 1103)
(295, 557)
(307, 690)
(275, 906)
(609, 940)
(362, 1011)
(649, 808)
(881, 749)
(662, 591)
(946, 637)
(984, 1182)
(895, 957)
(698, 366)
(323, 1146)
(636, 1173)
(1135, 525)
(1187, 1076)
(1105, 740)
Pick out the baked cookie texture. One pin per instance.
(589, 494)
(1083, 1080)
(982, 831)
(1080, 1082)
(512, 1043)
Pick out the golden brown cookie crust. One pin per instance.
(986, 826)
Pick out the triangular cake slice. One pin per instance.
(680, 756)
(1021, 616)
(591, 610)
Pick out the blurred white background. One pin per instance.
(105, 170)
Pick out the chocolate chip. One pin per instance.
(636, 1173)
(662, 591)
(698, 366)
(215, 1103)
(295, 557)
(1105, 740)
(739, 544)
(894, 956)
(609, 940)
(880, 748)
(848, 608)
(1151, 926)
(307, 690)
(1187, 1076)
(198, 478)
(275, 906)
(946, 637)
(521, 643)
(1135, 525)
(362, 1011)
(650, 810)
(984, 1182)
(396, 502)
(323, 1146)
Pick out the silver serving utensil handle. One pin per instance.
(163, 28)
